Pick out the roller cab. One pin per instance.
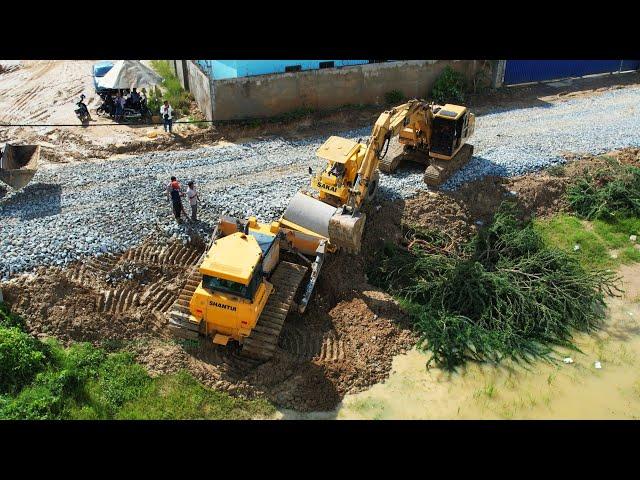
(344, 158)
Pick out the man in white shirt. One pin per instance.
(166, 112)
(192, 195)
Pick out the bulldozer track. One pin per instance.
(263, 340)
(304, 347)
(179, 313)
(175, 254)
(118, 300)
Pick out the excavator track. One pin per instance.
(392, 158)
(263, 339)
(180, 324)
(439, 171)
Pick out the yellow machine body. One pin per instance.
(344, 158)
(233, 290)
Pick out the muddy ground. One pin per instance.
(344, 343)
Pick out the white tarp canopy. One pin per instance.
(129, 74)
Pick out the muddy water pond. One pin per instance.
(577, 389)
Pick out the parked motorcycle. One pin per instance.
(82, 112)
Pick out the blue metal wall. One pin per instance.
(221, 69)
(523, 71)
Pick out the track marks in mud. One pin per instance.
(157, 296)
(306, 346)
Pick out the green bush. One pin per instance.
(394, 96)
(21, 358)
(8, 319)
(41, 381)
(37, 402)
(509, 295)
(609, 193)
(449, 87)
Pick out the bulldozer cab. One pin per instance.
(234, 290)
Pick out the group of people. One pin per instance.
(115, 105)
(175, 194)
(137, 101)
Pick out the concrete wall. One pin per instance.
(269, 95)
(198, 83)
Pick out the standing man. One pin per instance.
(192, 195)
(167, 116)
(119, 107)
(173, 192)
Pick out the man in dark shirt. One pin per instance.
(173, 192)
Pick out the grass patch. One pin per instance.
(44, 380)
(508, 295)
(172, 90)
(180, 397)
(596, 240)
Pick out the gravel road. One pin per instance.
(71, 211)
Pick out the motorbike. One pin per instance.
(82, 112)
(135, 113)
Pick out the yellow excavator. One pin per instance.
(435, 136)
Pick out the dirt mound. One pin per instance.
(101, 300)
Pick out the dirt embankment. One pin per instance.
(344, 343)
(44, 92)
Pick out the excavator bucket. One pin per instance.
(309, 215)
(19, 164)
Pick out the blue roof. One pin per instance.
(103, 63)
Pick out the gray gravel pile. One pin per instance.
(69, 212)
(519, 141)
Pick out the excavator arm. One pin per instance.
(389, 124)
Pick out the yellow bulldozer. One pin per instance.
(243, 288)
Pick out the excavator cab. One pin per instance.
(452, 125)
